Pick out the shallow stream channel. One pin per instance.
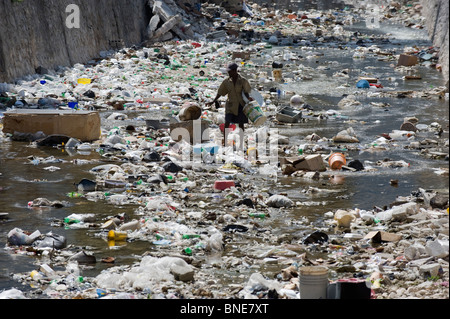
(378, 112)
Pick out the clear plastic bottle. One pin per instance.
(36, 275)
(73, 279)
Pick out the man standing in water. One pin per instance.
(234, 86)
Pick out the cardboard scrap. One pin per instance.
(312, 163)
(407, 60)
(193, 132)
(241, 55)
(83, 125)
(381, 236)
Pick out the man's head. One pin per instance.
(232, 69)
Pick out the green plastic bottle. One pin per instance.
(188, 251)
(257, 215)
(189, 236)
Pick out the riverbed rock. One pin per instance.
(182, 273)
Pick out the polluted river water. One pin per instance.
(22, 180)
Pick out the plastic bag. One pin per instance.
(256, 281)
(278, 201)
(12, 294)
(215, 241)
(17, 237)
(51, 241)
(344, 218)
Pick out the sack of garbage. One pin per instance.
(12, 294)
(346, 136)
(257, 284)
(17, 237)
(51, 240)
(278, 201)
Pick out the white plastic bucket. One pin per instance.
(254, 113)
(313, 282)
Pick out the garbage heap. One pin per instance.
(395, 252)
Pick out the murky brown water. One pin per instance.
(21, 181)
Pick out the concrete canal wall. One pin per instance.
(43, 33)
(436, 13)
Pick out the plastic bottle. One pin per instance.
(74, 278)
(71, 220)
(189, 236)
(74, 281)
(257, 215)
(74, 195)
(48, 271)
(208, 158)
(36, 275)
(162, 242)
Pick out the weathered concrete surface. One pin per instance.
(34, 33)
(83, 125)
(436, 13)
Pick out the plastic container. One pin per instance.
(84, 81)
(296, 101)
(337, 160)
(210, 148)
(117, 235)
(254, 113)
(36, 275)
(232, 127)
(73, 105)
(190, 112)
(277, 74)
(17, 237)
(252, 153)
(222, 185)
(363, 84)
(350, 288)
(313, 282)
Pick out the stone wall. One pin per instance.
(436, 13)
(33, 33)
